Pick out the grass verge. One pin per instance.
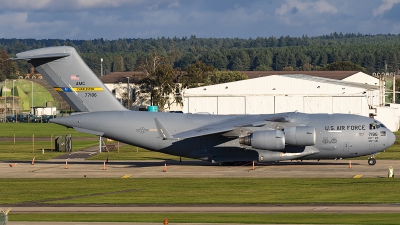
(26, 130)
(229, 218)
(199, 191)
(23, 150)
(129, 152)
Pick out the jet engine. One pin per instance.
(300, 136)
(266, 140)
(276, 139)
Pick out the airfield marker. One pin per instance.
(165, 221)
(33, 143)
(33, 161)
(165, 168)
(350, 164)
(391, 172)
(252, 168)
(66, 164)
(104, 165)
(13, 164)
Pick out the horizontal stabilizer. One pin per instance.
(44, 57)
(98, 133)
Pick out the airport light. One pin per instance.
(101, 67)
(13, 100)
(5, 101)
(128, 94)
(32, 98)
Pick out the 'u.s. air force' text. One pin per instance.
(348, 127)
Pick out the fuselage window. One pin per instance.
(373, 126)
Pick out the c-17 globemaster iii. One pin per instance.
(214, 138)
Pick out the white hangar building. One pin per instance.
(293, 92)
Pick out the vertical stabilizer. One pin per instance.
(67, 73)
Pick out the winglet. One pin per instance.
(162, 131)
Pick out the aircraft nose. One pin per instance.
(391, 138)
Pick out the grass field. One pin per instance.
(126, 152)
(199, 191)
(228, 218)
(167, 191)
(26, 130)
(27, 150)
(129, 152)
(23, 89)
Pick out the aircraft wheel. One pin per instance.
(371, 161)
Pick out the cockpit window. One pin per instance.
(373, 126)
(381, 125)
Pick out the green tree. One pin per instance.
(218, 77)
(197, 75)
(288, 68)
(159, 82)
(8, 69)
(344, 65)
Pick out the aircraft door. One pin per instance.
(371, 146)
(382, 136)
(346, 147)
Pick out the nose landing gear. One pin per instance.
(371, 161)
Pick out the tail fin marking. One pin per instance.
(67, 73)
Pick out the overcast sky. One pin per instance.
(113, 19)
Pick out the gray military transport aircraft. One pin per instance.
(224, 139)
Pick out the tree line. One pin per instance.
(375, 53)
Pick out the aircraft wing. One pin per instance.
(229, 125)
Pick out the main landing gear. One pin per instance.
(371, 161)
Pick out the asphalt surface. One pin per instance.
(300, 208)
(119, 223)
(79, 168)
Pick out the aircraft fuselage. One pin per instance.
(337, 135)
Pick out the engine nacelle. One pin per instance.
(266, 140)
(300, 136)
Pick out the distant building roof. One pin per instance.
(332, 81)
(337, 75)
(135, 76)
(116, 77)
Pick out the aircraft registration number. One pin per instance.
(90, 95)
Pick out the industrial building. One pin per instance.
(294, 92)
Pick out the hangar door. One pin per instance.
(317, 104)
(288, 104)
(231, 105)
(351, 105)
(259, 104)
(202, 104)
